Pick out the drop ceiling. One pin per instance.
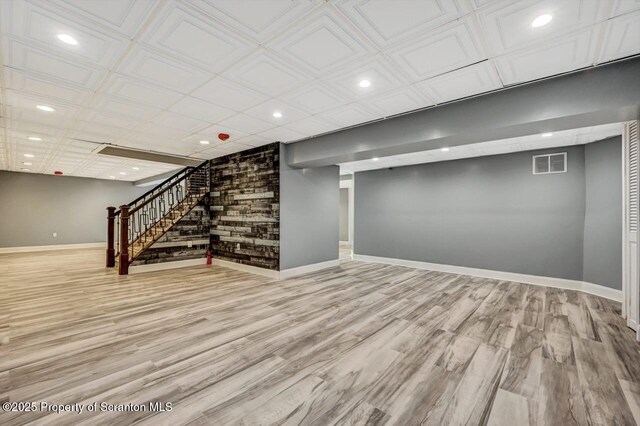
(504, 146)
(165, 75)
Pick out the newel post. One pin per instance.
(111, 252)
(123, 264)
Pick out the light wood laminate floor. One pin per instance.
(357, 344)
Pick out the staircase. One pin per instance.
(134, 228)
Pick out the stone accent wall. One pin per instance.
(193, 229)
(245, 207)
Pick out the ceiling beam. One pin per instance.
(599, 95)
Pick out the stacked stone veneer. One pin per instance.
(187, 239)
(245, 207)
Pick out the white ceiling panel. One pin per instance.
(573, 52)
(622, 37)
(180, 31)
(247, 124)
(257, 19)
(399, 101)
(201, 110)
(386, 22)
(124, 16)
(141, 91)
(164, 75)
(266, 74)
(441, 50)
(151, 65)
(508, 23)
(468, 81)
(49, 65)
(314, 98)
(320, 43)
(220, 91)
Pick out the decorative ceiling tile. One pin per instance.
(182, 33)
(376, 71)
(468, 81)
(320, 43)
(314, 98)
(311, 126)
(349, 115)
(442, 50)
(247, 124)
(280, 134)
(266, 111)
(399, 101)
(201, 110)
(124, 108)
(158, 69)
(220, 91)
(622, 37)
(507, 24)
(624, 6)
(266, 74)
(31, 22)
(124, 16)
(386, 22)
(257, 19)
(570, 53)
(32, 84)
(141, 91)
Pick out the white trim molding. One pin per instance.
(247, 268)
(27, 249)
(151, 267)
(307, 269)
(595, 289)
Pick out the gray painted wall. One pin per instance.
(344, 214)
(603, 213)
(308, 220)
(487, 212)
(34, 206)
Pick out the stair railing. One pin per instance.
(141, 222)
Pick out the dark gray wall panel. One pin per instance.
(309, 200)
(34, 206)
(487, 212)
(603, 213)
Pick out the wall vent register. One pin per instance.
(550, 163)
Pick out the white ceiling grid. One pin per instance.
(164, 75)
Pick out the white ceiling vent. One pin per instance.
(550, 163)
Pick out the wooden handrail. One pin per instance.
(123, 263)
(111, 252)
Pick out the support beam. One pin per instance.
(600, 95)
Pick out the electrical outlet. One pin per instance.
(189, 244)
(55, 235)
(238, 246)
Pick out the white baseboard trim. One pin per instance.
(583, 286)
(247, 268)
(307, 269)
(138, 269)
(27, 249)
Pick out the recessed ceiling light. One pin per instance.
(24, 170)
(112, 177)
(541, 20)
(29, 155)
(34, 138)
(26, 163)
(364, 83)
(66, 38)
(45, 108)
(122, 173)
(277, 114)
(204, 142)
(375, 158)
(445, 149)
(546, 135)
(136, 168)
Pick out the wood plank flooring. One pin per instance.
(356, 344)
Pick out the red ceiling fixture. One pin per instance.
(57, 172)
(223, 136)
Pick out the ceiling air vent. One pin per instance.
(550, 163)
